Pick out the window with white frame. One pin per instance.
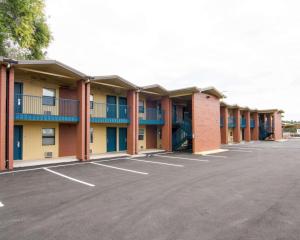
(141, 134)
(48, 97)
(48, 136)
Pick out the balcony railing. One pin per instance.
(35, 108)
(151, 116)
(243, 123)
(231, 122)
(252, 123)
(109, 113)
(221, 122)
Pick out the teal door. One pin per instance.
(111, 139)
(122, 139)
(122, 107)
(18, 97)
(18, 142)
(111, 107)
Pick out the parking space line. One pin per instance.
(237, 150)
(70, 178)
(1, 204)
(122, 169)
(191, 159)
(161, 163)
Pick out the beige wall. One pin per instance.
(230, 135)
(32, 140)
(142, 143)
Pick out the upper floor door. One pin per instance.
(111, 106)
(123, 107)
(18, 97)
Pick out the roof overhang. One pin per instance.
(183, 92)
(50, 68)
(271, 111)
(114, 81)
(154, 89)
(213, 91)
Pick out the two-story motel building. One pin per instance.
(50, 110)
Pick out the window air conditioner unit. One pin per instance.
(48, 154)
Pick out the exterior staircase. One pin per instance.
(182, 137)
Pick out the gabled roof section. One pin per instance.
(213, 91)
(183, 92)
(50, 67)
(155, 89)
(113, 81)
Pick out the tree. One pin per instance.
(24, 33)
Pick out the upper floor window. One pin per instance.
(91, 101)
(48, 97)
(141, 106)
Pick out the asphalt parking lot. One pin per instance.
(251, 192)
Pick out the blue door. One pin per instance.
(18, 97)
(18, 142)
(122, 139)
(111, 107)
(122, 107)
(111, 139)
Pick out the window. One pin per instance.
(48, 97)
(91, 101)
(48, 136)
(141, 134)
(141, 107)
(91, 135)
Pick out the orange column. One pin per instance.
(10, 123)
(166, 105)
(255, 135)
(133, 124)
(2, 116)
(237, 129)
(247, 129)
(80, 141)
(224, 129)
(87, 120)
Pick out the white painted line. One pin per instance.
(191, 159)
(122, 169)
(1, 204)
(233, 150)
(70, 178)
(161, 163)
(216, 156)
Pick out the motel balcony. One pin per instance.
(36, 108)
(252, 123)
(109, 113)
(231, 122)
(151, 116)
(243, 123)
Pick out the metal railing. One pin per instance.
(231, 122)
(243, 122)
(152, 114)
(36, 105)
(106, 110)
(252, 123)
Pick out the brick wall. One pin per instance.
(206, 122)
(277, 126)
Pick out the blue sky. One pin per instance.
(248, 49)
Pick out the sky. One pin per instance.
(249, 50)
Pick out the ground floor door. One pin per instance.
(18, 142)
(111, 139)
(243, 134)
(122, 139)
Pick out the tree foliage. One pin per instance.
(24, 33)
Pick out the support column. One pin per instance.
(247, 129)
(10, 118)
(224, 129)
(2, 116)
(166, 105)
(133, 124)
(255, 135)
(237, 129)
(87, 120)
(80, 143)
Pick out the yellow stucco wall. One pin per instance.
(230, 135)
(31, 88)
(32, 140)
(99, 144)
(143, 115)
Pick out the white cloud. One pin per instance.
(250, 49)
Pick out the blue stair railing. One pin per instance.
(183, 135)
(265, 130)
